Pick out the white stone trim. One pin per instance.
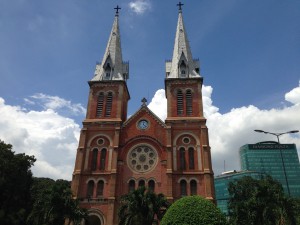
(103, 179)
(98, 213)
(174, 158)
(186, 133)
(99, 135)
(199, 155)
(93, 179)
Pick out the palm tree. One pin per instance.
(142, 206)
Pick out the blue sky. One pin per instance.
(248, 50)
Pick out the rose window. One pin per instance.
(142, 159)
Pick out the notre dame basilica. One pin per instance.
(117, 154)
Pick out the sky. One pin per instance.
(249, 53)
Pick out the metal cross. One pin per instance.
(117, 10)
(179, 5)
(144, 101)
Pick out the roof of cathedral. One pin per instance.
(144, 107)
(112, 66)
(182, 64)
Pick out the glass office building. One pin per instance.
(278, 160)
(221, 186)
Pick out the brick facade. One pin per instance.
(116, 153)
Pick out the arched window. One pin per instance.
(90, 189)
(183, 69)
(179, 103)
(107, 71)
(109, 99)
(182, 158)
(191, 158)
(100, 104)
(100, 187)
(193, 186)
(131, 186)
(102, 159)
(141, 183)
(151, 185)
(94, 159)
(183, 191)
(189, 102)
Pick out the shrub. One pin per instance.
(193, 210)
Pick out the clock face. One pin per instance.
(143, 124)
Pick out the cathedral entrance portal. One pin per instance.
(93, 220)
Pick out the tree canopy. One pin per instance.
(260, 202)
(193, 210)
(53, 203)
(15, 183)
(33, 201)
(142, 206)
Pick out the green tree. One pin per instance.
(260, 202)
(15, 184)
(193, 210)
(53, 203)
(142, 206)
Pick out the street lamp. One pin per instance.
(277, 135)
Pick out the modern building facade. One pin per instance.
(281, 161)
(117, 154)
(221, 186)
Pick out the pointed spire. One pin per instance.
(182, 64)
(112, 66)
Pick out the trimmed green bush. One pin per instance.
(193, 210)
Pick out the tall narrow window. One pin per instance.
(182, 69)
(141, 183)
(193, 186)
(102, 159)
(107, 71)
(100, 187)
(179, 103)
(90, 189)
(183, 191)
(191, 159)
(151, 185)
(189, 103)
(94, 159)
(131, 186)
(182, 158)
(100, 105)
(108, 104)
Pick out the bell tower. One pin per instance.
(189, 134)
(94, 176)
(109, 95)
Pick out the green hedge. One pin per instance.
(193, 210)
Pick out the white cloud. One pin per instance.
(50, 137)
(229, 131)
(53, 138)
(209, 109)
(158, 104)
(294, 95)
(56, 103)
(140, 6)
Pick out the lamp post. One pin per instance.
(277, 135)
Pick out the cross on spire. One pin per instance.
(117, 10)
(179, 6)
(144, 101)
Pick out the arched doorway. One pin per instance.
(95, 217)
(93, 220)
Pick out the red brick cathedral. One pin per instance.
(117, 154)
